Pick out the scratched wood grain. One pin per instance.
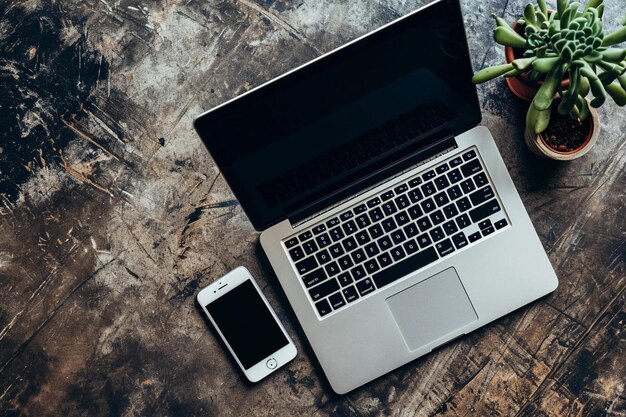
(112, 216)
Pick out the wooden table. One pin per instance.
(113, 216)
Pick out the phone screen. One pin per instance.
(247, 324)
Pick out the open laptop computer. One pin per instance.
(387, 214)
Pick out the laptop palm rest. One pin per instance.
(431, 309)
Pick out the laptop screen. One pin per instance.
(330, 124)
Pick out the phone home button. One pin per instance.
(271, 363)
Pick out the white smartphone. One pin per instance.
(247, 324)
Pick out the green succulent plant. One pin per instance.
(568, 43)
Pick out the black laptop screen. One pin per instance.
(330, 124)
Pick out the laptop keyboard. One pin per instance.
(401, 230)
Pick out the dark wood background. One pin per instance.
(113, 216)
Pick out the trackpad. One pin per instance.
(431, 309)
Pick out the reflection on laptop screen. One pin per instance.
(340, 118)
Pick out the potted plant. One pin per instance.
(568, 55)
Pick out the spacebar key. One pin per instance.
(405, 267)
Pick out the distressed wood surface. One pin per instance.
(112, 216)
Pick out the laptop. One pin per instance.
(386, 212)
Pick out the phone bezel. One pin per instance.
(221, 287)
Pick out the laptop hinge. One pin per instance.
(375, 179)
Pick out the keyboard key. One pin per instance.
(442, 168)
(319, 229)
(350, 294)
(454, 176)
(389, 208)
(323, 257)
(373, 202)
(376, 214)
(441, 199)
(314, 277)
(400, 189)
(480, 179)
(336, 250)
(349, 244)
(484, 224)
(389, 225)
(363, 221)
(345, 262)
(484, 210)
(336, 234)
(437, 234)
(415, 212)
(441, 183)
(365, 287)
(324, 289)
(428, 205)
(410, 246)
(463, 221)
(306, 265)
(336, 300)
(488, 231)
(450, 227)
(323, 307)
(387, 195)
(309, 247)
(384, 243)
(362, 237)
(332, 269)
(456, 162)
(411, 230)
(444, 247)
(437, 217)
(401, 218)
(296, 254)
(424, 240)
(482, 195)
(360, 209)
(428, 189)
(469, 155)
(349, 227)
(468, 186)
(332, 222)
(345, 216)
(463, 204)
(306, 235)
(406, 266)
(376, 231)
(415, 195)
(291, 242)
(474, 237)
(450, 211)
(415, 182)
(358, 273)
(384, 260)
(471, 168)
(344, 279)
(358, 256)
(454, 192)
(459, 240)
(372, 249)
(428, 175)
(398, 237)
(402, 202)
(371, 266)
(323, 240)
(500, 224)
(397, 253)
(424, 224)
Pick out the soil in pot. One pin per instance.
(565, 134)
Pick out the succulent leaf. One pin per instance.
(542, 6)
(561, 6)
(489, 73)
(544, 65)
(593, 3)
(545, 95)
(537, 120)
(616, 37)
(583, 107)
(508, 37)
(529, 16)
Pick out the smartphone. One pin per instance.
(247, 324)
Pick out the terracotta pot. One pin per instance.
(538, 145)
(521, 86)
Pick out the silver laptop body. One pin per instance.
(423, 274)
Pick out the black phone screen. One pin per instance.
(247, 324)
